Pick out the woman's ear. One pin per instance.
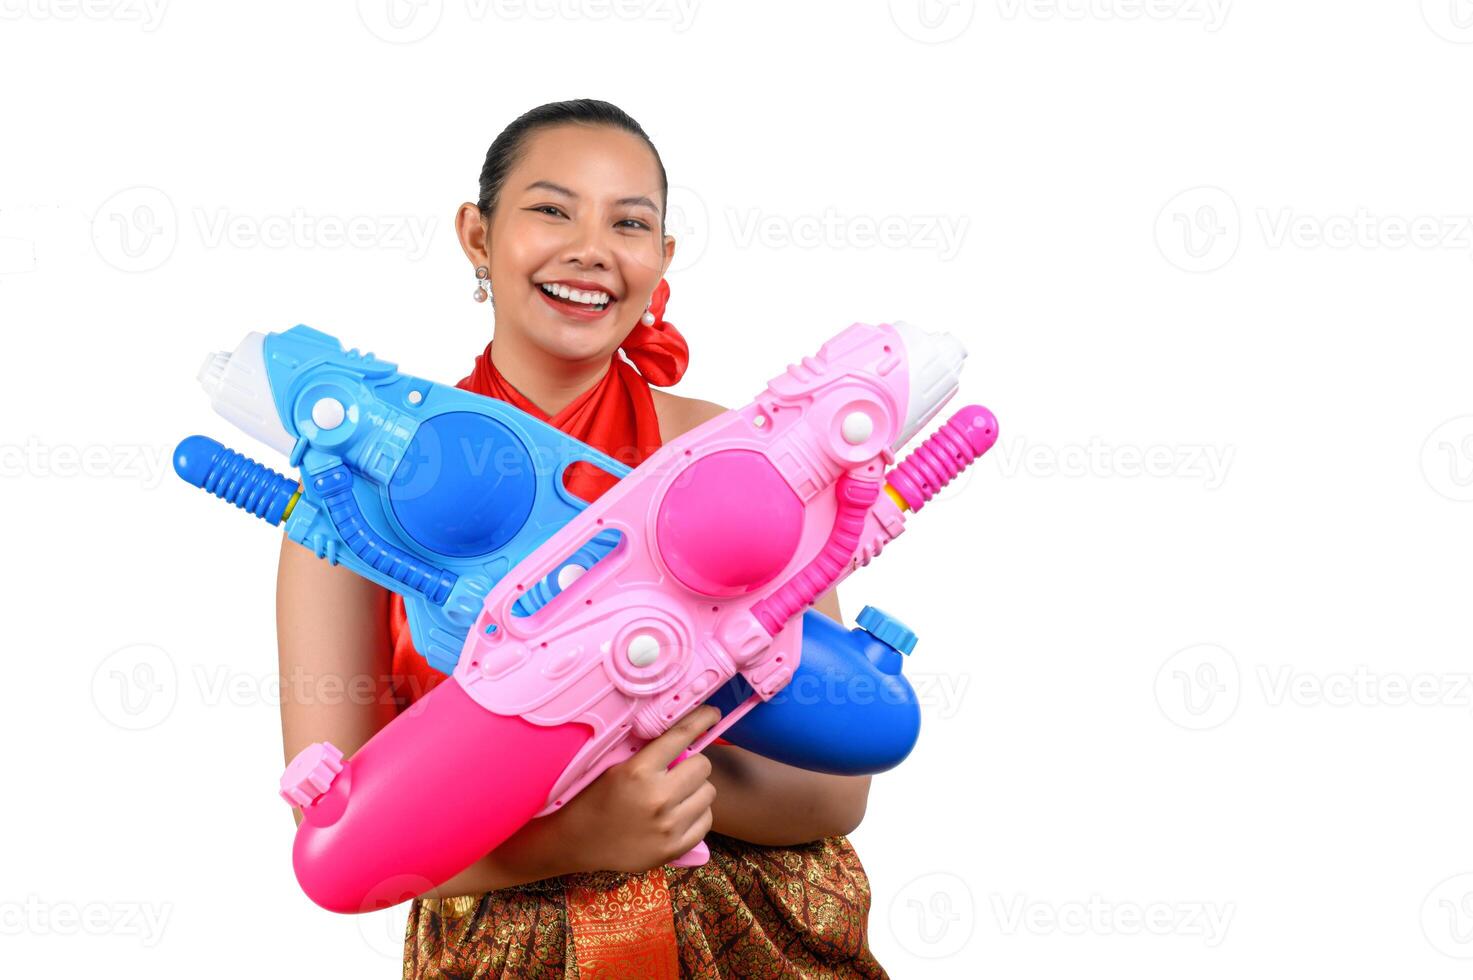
(471, 228)
(669, 254)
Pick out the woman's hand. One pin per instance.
(641, 813)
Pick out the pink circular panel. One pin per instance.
(729, 524)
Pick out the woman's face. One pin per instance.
(579, 215)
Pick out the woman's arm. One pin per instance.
(335, 659)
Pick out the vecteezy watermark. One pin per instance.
(1199, 229)
(220, 685)
(939, 233)
(1207, 463)
(1211, 14)
(35, 916)
(407, 21)
(136, 687)
(1201, 687)
(1198, 687)
(1096, 916)
(933, 916)
(1364, 229)
(1447, 916)
(401, 21)
(136, 229)
(147, 14)
(1447, 459)
(388, 232)
(17, 256)
(932, 21)
(939, 695)
(1363, 687)
(1451, 20)
(43, 460)
(688, 221)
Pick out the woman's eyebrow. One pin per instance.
(548, 185)
(639, 201)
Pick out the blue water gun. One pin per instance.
(435, 493)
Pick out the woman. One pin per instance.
(568, 235)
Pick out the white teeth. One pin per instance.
(585, 297)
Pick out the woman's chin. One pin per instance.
(578, 342)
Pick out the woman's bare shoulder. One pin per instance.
(678, 415)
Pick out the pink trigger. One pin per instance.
(730, 524)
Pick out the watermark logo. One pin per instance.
(147, 14)
(1199, 229)
(1211, 14)
(1447, 917)
(17, 256)
(1447, 459)
(401, 21)
(939, 233)
(136, 687)
(1097, 916)
(1199, 687)
(36, 916)
(933, 916)
(932, 21)
(408, 21)
(1098, 459)
(688, 221)
(1364, 229)
(136, 229)
(386, 232)
(1363, 687)
(43, 460)
(1451, 20)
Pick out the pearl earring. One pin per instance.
(648, 319)
(483, 284)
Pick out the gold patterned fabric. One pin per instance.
(751, 911)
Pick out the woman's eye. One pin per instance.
(633, 223)
(547, 209)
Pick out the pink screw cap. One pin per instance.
(311, 773)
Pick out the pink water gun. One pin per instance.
(726, 534)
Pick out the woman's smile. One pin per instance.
(576, 299)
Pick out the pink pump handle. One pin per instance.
(855, 497)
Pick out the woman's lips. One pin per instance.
(576, 311)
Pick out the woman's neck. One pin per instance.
(547, 381)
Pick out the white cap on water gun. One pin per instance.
(240, 390)
(935, 364)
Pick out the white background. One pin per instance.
(1195, 634)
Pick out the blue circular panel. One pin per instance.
(465, 485)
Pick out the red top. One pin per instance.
(616, 416)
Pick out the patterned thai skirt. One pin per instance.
(751, 911)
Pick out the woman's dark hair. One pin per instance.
(507, 148)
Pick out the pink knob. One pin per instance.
(311, 773)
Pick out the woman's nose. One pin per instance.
(589, 246)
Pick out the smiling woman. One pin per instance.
(568, 238)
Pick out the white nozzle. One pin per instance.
(240, 390)
(935, 362)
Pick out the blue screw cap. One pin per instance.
(887, 629)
